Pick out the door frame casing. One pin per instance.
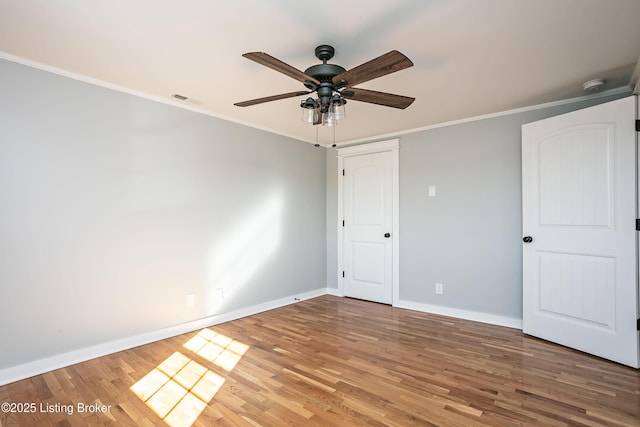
(392, 146)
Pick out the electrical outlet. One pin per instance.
(439, 288)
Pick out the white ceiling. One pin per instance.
(472, 57)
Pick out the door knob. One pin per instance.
(527, 239)
(387, 235)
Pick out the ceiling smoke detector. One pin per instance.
(593, 85)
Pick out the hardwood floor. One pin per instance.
(334, 362)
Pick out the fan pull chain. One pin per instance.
(334, 137)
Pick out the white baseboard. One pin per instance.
(476, 316)
(334, 292)
(58, 361)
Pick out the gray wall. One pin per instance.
(468, 237)
(114, 208)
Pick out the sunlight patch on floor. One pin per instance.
(217, 348)
(179, 388)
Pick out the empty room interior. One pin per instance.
(386, 213)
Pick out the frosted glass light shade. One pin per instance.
(308, 115)
(337, 111)
(328, 119)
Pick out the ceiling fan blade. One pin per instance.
(275, 64)
(270, 98)
(385, 64)
(380, 98)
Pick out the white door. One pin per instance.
(579, 240)
(368, 226)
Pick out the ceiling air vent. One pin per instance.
(188, 99)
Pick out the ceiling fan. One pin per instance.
(334, 84)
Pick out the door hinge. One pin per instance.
(342, 172)
(343, 223)
(342, 273)
(637, 224)
(637, 125)
(638, 325)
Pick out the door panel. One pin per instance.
(576, 177)
(579, 288)
(579, 207)
(368, 262)
(367, 192)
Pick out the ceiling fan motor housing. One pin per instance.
(324, 73)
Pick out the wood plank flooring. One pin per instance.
(335, 362)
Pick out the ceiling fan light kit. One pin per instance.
(309, 108)
(333, 84)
